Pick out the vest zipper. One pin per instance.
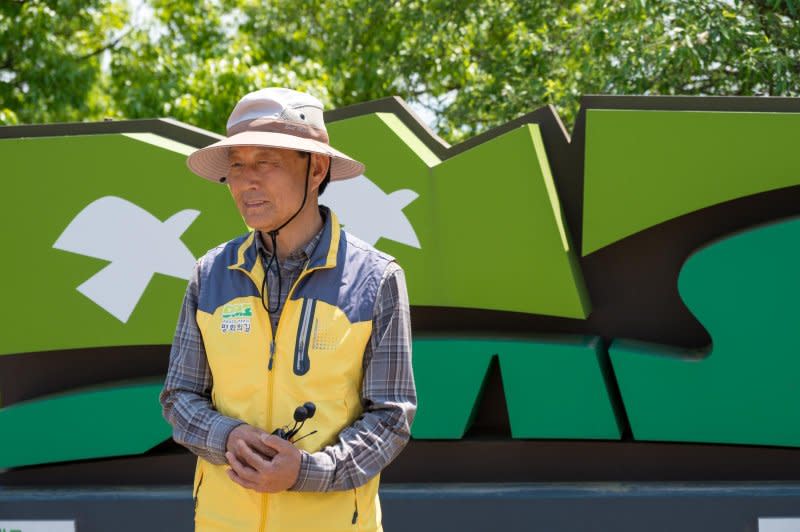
(355, 511)
(264, 500)
(271, 353)
(272, 349)
(197, 491)
(273, 334)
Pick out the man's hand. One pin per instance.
(251, 437)
(252, 468)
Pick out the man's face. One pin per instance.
(266, 183)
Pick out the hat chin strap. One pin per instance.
(273, 235)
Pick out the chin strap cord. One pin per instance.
(273, 235)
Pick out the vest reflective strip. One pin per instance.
(302, 362)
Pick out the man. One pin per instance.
(297, 311)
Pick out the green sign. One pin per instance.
(639, 279)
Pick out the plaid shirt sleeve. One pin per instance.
(388, 396)
(186, 396)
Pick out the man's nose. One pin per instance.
(250, 174)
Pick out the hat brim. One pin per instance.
(211, 162)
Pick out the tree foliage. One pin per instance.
(473, 63)
(50, 58)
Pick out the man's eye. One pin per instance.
(236, 165)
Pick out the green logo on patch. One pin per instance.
(237, 311)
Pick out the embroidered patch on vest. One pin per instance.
(236, 318)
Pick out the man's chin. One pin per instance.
(259, 223)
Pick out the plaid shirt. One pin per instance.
(388, 392)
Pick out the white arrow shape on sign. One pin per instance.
(370, 213)
(137, 245)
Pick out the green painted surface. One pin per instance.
(553, 389)
(449, 375)
(496, 199)
(643, 168)
(113, 420)
(744, 290)
(557, 390)
(54, 179)
(469, 208)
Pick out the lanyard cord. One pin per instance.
(273, 235)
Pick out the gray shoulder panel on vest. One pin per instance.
(218, 284)
(353, 284)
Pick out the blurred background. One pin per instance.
(464, 66)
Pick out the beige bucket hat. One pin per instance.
(278, 118)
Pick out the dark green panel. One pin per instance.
(449, 375)
(745, 291)
(557, 389)
(553, 389)
(113, 420)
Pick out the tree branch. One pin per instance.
(105, 47)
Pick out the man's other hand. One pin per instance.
(251, 467)
(251, 436)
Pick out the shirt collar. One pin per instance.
(301, 254)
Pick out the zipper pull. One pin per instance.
(355, 509)
(271, 354)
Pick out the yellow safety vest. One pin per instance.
(316, 355)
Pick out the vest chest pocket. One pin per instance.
(328, 350)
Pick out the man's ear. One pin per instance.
(319, 169)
